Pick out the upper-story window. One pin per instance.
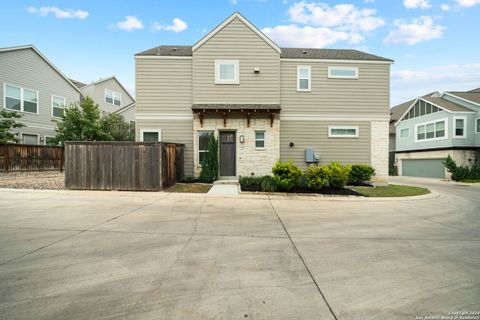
(113, 97)
(477, 125)
(460, 127)
(404, 133)
(431, 130)
(21, 99)
(421, 108)
(343, 72)
(304, 76)
(58, 106)
(227, 72)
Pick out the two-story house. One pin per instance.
(31, 85)
(110, 95)
(436, 125)
(264, 102)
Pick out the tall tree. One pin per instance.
(8, 121)
(115, 128)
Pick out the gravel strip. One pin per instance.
(52, 180)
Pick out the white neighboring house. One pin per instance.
(33, 86)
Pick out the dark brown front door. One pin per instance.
(227, 153)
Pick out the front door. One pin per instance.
(227, 153)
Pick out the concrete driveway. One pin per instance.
(112, 255)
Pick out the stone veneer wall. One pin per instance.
(379, 148)
(249, 159)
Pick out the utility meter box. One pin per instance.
(311, 156)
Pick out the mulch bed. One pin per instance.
(326, 191)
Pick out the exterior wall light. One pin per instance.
(242, 139)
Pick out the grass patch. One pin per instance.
(392, 190)
(471, 181)
(189, 188)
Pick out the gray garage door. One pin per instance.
(429, 168)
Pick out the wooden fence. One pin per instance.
(134, 166)
(20, 157)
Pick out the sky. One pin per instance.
(435, 43)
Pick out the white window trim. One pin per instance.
(198, 145)
(236, 64)
(445, 120)
(476, 125)
(400, 133)
(464, 136)
(330, 135)
(30, 134)
(21, 98)
(264, 139)
(64, 104)
(113, 97)
(309, 68)
(331, 76)
(159, 131)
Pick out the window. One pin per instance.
(460, 127)
(343, 72)
(113, 97)
(226, 72)
(20, 99)
(431, 130)
(58, 106)
(260, 139)
(29, 139)
(421, 108)
(151, 135)
(478, 125)
(304, 75)
(203, 137)
(404, 133)
(342, 132)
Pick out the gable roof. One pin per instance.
(32, 47)
(110, 78)
(445, 104)
(78, 84)
(475, 90)
(236, 15)
(125, 108)
(472, 96)
(173, 51)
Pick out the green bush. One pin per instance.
(209, 171)
(316, 177)
(286, 175)
(462, 173)
(360, 173)
(268, 184)
(337, 175)
(265, 183)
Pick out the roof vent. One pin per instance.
(304, 51)
(174, 49)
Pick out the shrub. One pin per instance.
(360, 173)
(265, 183)
(337, 175)
(268, 184)
(209, 171)
(286, 175)
(316, 177)
(462, 173)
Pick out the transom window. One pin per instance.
(203, 137)
(113, 97)
(58, 106)
(460, 127)
(431, 130)
(404, 133)
(343, 72)
(304, 75)
(151, 135)
(421, 108)
(478, 125)
(343, 132)
(21, 99)
(226, 72)
(260, 139)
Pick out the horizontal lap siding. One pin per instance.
(237, 42)
(314, 134)
(178, 131)
(368, 95)
(97, 93)
(164, 86)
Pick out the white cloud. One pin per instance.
(422, 29)
(130, 23)
(445, 7)
(413, 4)
(467, 3)
(178, 25)
(320, 25)
(59, 13)
(368, 1)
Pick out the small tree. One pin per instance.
(209, 171)
(115, 128)
(8, 121)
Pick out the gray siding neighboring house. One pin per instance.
(31, 84)
(271, 103)
(433, 126)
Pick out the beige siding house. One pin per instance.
(265, 103)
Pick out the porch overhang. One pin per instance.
(226, 110)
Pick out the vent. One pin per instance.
(174, 49)
(304, 51)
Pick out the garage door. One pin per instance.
(429, 168)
